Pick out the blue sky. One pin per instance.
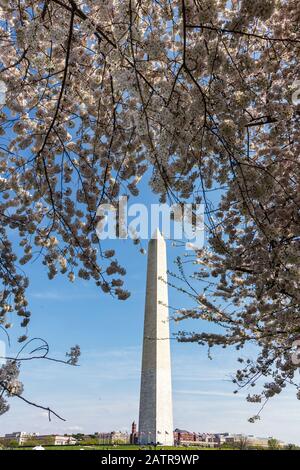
(102, 394)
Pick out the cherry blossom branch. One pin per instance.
(242, 33)
(35, 405)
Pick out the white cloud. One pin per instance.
(62, 296)
(74, 429)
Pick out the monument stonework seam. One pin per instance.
(156, 410)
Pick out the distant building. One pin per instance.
(20, 437)
(208, 439)
(188, 438)
(221, 437)
(104, 437)
(114, 437)
(64, 440)
(134, 435)
(23, 437)
(183, 437)
(119, 437)
(247, 440)
(262, 441)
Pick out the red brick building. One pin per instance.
(133, 434)
(181, 436)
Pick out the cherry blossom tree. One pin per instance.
(200, 93)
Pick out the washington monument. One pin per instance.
(156, 414)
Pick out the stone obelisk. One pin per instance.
(156, 414)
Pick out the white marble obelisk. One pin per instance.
(156, 413)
